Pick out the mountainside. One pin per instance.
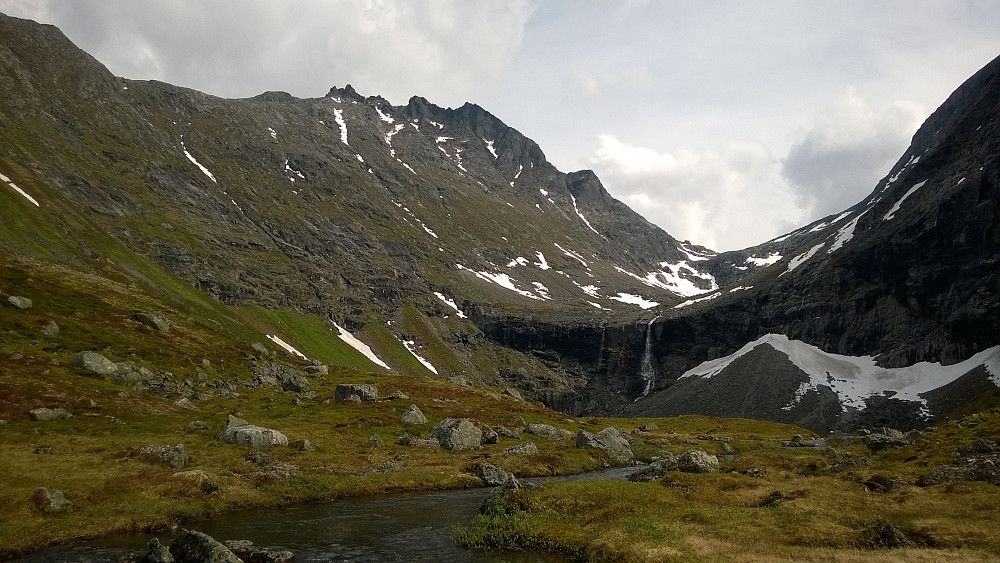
(448, 232)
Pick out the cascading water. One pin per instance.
(647, 372)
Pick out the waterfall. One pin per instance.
(647, 372)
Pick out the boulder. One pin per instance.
(46, 450)
(249, 553)
(239, 431)
(980, 447)
(658, 468)
(364, 391)
(46, 414)
(883, 484)
(376, 441)
(413, 415)
(196, 547)
(397, 394)
(196, 426)
(385, 467)
(609, 441)
(419, 442)
(173, 456)
(50, 501)
(294, 383)
(506, 432)
(51, 329)
(156, 552)
(648, 427)
(303, 446)
(457, 434)
(274, 471)
(548, 432)
(154, 321)
(95, 363)
(698, 461)
(198, 478)
(524, 448)
(981, 468)
(19, 302)
(885, 438)
(185, 403)
(490, 436)
(491, 475)
(316, 368)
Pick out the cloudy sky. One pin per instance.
(725, 122)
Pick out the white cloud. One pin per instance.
(724, 199)
(848, 149)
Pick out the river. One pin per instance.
(396, 527)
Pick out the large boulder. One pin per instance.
(95, 363)
(196, 547)
(609, 441)
(885, 438)
(173, 456)
(19, 302)
(491, 475)
(457, 434)
(698, 461)
(154, 321)
(524, 448)
(548, 432)
(979, 468)
(50, 501)
(239, 431)
(45, 414)
(414, 415)
(156, 552)
(654, 470)
(364, 391)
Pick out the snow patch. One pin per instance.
(577, 209)
(489, 147)
(801, 258)
(360, 346)
(634, 300)
(572, 254)
(908, 193)
(845, 234)
(288, 347)
(542, 264)
(411, 347)
(541, 290)
(690, 302)
(19, 190)
(450, 303)
(274, 135)
(854, 378)
(196, 163)
(383, 116)
(765, 261)
(501, 279)
(338, 116)
(676, 279)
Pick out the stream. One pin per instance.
(394, 527)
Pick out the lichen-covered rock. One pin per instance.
(491, 475)
(885, 438)
(200, 479)
(196, 547)
(656, 469)
(365, 391)
(50, 501)
(51, 329)
(303, 446)
(498, 502)
(413, 415)
(698, 461)
(185, 404)
(385, 467)
(608, 441)
(156, 552)
(95, 363)
(239, 431)
(980, 468)
(397, 395)
(376, 441)
(524, 448)
(414, 442)
(154, 321)
(457, 434)
(19, 302)
(174, 456)
(46, 414)
(548, 432)
(250, 553)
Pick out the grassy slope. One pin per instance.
(826, 515)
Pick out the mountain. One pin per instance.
(445, 243)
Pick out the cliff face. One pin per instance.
(361, 212)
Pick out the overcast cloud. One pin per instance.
(726, 122)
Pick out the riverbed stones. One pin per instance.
(548, 431)
(154, 321)
(196, 547)
(365, 391)
(94, 363)
(524, 448)
(697, 461)
(19, 302)
(414, 415)
(156, 552)
(239, 431)
(46, 414)
(174, 456)
(248, 552)
(609, 441)
(50, 501)
(457, 434)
